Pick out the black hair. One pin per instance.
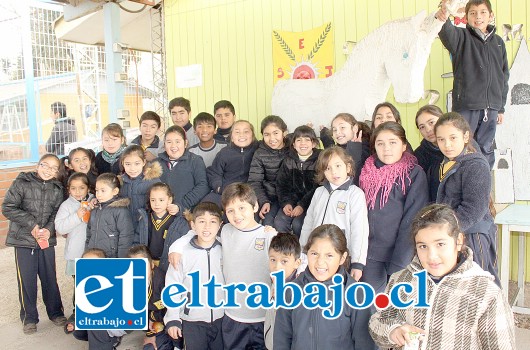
(286, 244)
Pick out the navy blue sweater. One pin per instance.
(389, 239)
(466, 188)
(231, 164)
(187, 179)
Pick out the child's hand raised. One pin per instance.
(401, 335)
(174, 332)
(174, 259)
(356, 274)
(442, 14)
(173, 209)
(358, 137)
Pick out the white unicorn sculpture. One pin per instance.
(396, 53)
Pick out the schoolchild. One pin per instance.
(180, 110)
(428, 154)
(204, 125)
(71, 223)
(157, 228)
(284, 255)
(183, 171)
(110, 227)
(200, 327)
(137, 178)
(303, 328)
(232, 163)
(80, 160)
(480, 68)
(467, 310)
(395, 187)
(114, 143)
(338, 201)
(266, 164)
(465, 185)
(31, 204)
(225, 115)
(245, 244)
(295, 182)
(155, 336)
(347, 135)
(148, 139)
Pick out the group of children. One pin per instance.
(362, 207)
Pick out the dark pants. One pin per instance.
(376, 274)
(31, 263)
(242, 336)
(163, 342)
(268, 220)
(203, 335)
(484, 252)
(97, 339)
(483, 129)
(283, 223)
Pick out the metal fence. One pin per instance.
(72, 74)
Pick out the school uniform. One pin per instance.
(201, 326)
(152, 148)
(186, 177)
(136, 189)
(104, 166)
(302, 329)
(391, 209)
(191, 136)
(208, 154)
(465, 186)
(223, 135)
(157, 310)
(467, 311)
(32, 201)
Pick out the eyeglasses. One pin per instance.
(46, 166)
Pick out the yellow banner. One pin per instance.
(303, 55)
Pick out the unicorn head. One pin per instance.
(411, 47)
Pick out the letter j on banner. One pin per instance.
(111, 294)
(303, 55)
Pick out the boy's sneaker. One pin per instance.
(59, 321)
(29, 328)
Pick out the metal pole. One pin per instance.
(116, 90)
(31, 110)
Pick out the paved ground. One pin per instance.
(51, 337)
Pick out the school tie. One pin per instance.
(445, 167)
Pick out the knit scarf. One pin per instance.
(112, 158)
(373, 179)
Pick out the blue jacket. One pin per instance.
(179, 227)
(136, 189)
(231, 164)
(480, 68)
(466, 188)
(305, 329)
(187, 179)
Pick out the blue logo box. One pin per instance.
(111, 294)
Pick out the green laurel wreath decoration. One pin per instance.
(320, 41)
(284, 45)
